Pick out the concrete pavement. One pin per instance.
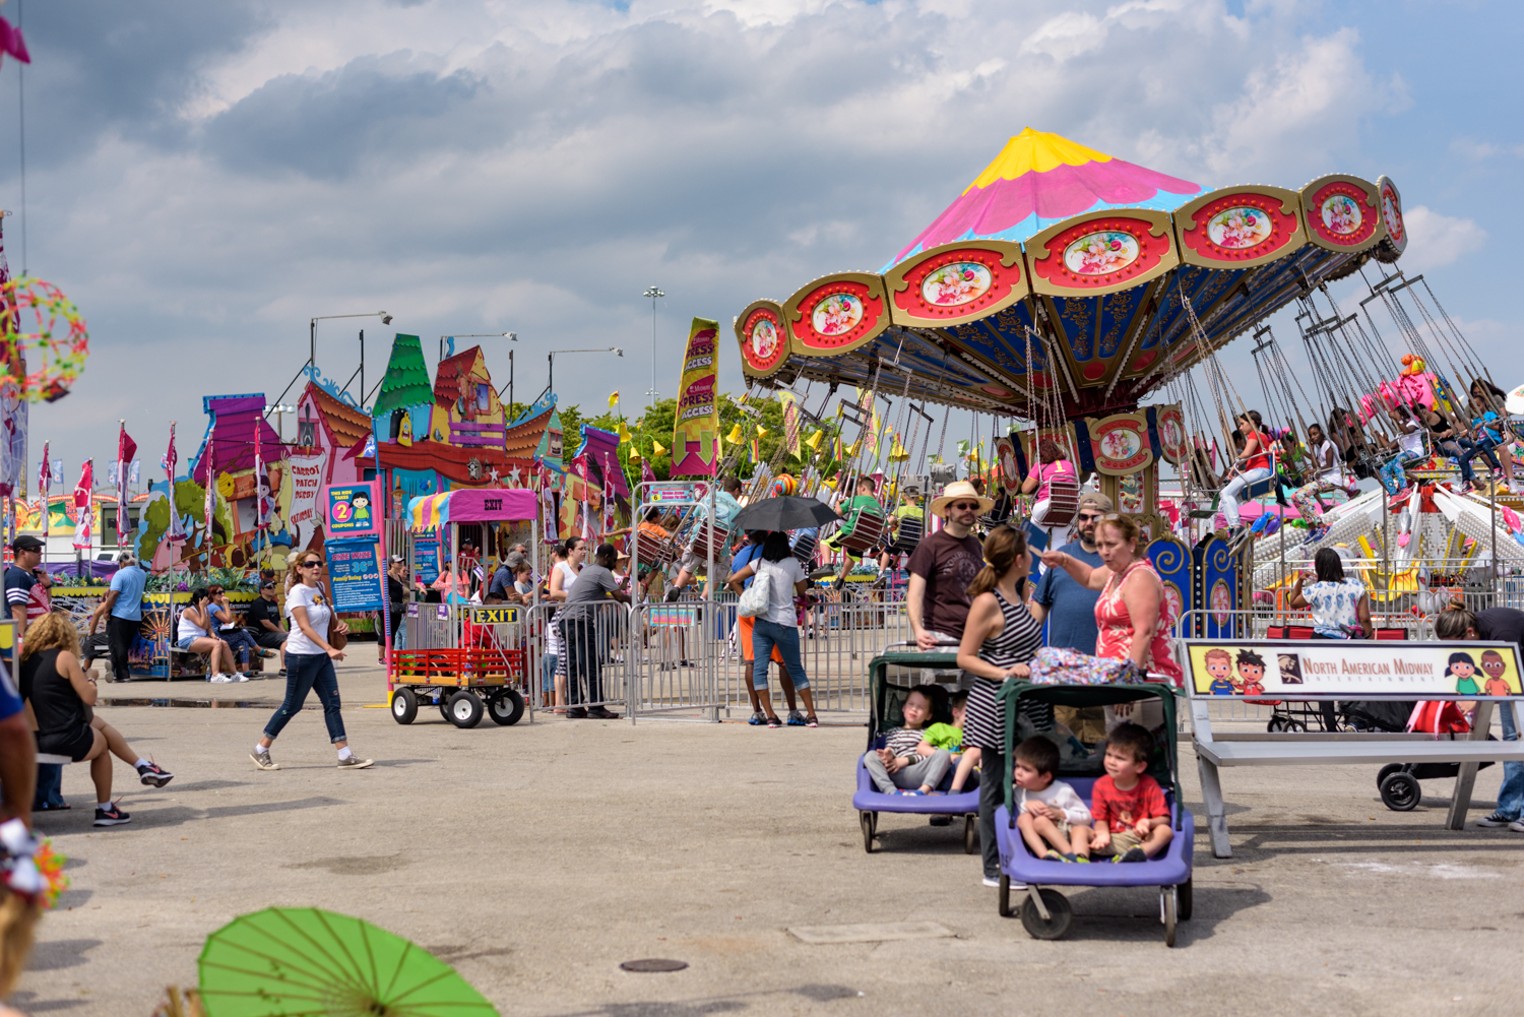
(538, 857)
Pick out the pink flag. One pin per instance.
(176, 533)
(84, 507)
(44, 480)
(608, 496)
(261, 501)
(126, 448)
(211, 499)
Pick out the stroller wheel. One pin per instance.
(1400, 792)
(1060, 912)
(1276, 724)
(1386, 771)
(1184, 900)
(869, 823)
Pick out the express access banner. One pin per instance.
(696, 429)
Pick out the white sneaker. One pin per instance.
(220, 679)
(1517, 826)
(995, 882)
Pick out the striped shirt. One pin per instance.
(1017, 643)
(902, 741)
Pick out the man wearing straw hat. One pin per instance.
(943, 565)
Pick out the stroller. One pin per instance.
(1398, 782)
(891, 677)
(1046, 913)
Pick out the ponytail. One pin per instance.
(1002, 549)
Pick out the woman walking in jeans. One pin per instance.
(779, 624)
(309, 665)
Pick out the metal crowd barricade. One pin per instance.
(676, 661)
(594, 664)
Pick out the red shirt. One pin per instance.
(1260, 460)
(1123, 809)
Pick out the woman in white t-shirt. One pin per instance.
(309, 664)
(779, 624)
(1327, 475)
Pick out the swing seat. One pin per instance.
(1259, 489)
(867, 533)
(909, 535)
(1063, 504)
(652, 549)
(710, 537)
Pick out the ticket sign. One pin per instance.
(671, 492)
(354, 568)
(351, 511)
(1352, 669)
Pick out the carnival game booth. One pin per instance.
(464, 658)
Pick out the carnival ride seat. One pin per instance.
(709, 537)
(652, 550)
(907, 536)
(867, 533)
(1063, 503)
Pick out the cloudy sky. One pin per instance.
(203, 178)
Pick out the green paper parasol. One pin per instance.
(305, 962)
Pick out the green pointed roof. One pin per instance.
(406, 382)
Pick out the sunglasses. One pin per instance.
(309, 564)
(964, 506)
(1085, 517)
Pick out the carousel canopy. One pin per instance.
(1065, 277)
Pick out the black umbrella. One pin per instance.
(785, 512)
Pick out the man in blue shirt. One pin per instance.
(1068, 607)
(123, 608)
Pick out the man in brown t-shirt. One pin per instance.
(944, 565)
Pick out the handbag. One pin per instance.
(338, 638)
(756, 597)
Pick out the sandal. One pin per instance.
(774, 722)
(811, 721)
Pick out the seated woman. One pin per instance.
(61, 697)
(1450, 440)
(1053, 468)
(229, 630)
(194, 633)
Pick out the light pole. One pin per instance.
(655, 293)
(512, 337)
(550, 378)
(386, 319)
(280, 410)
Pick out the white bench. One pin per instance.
(1215, 750)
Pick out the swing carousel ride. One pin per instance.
(1064, 287)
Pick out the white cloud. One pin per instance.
(1435, 239)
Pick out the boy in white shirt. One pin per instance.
(1054, 822)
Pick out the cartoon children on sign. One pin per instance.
(1494, 667)
(1219, 664)
(1463, 669)
(1251, 673)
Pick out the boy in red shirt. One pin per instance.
(1132, 821)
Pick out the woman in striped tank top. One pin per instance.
(1000, 637)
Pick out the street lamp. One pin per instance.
(655, 293)
(550, 377)
(386, 319)
(280, 410)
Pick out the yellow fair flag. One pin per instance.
(790, 422)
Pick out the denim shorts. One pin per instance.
(185, 642)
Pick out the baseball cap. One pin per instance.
(268, 584)
(397, 559)
(26, 542)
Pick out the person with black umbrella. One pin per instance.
(779, 624)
